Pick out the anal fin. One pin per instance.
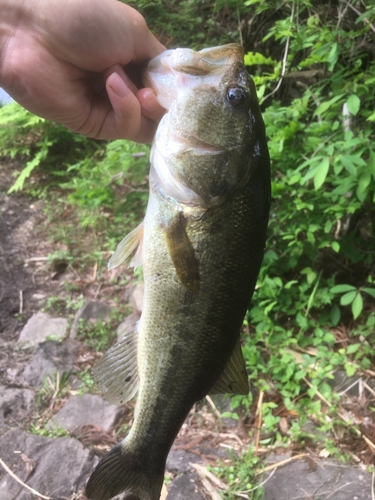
(233, 379)
(182, 253)
(126, 247)
(116, 373)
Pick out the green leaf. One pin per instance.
(335, 315)
(350, 369)
(342, 288)
(363, 183)
(26, 171)
(232, 415)
(327, 104)
(353, 348)
(348, 163)
(335, 246)
(357, 305)
(371, 162)
(333, 56)
(370, 291)
(353, 104)
(321, 173)
(348, 298)
(256, 58)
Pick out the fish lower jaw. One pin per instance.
(190, 141)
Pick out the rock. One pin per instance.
(134, 296)
(328, 479)
(128, 324)
(41, 326)
(350, 385)
(186, 487)
(48, 358)
(38, 296)
(16, 406)
(85, 410)
(180, 460)
(222, 403)
(57, 468)
(89, 310)
(138, 296)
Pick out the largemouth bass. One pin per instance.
(201, 245)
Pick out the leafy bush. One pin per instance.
(39, 142)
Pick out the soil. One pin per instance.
(22, 282)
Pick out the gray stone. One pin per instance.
(128, 324)
(85, 410)
(48, 358)
(351, 386)
(90, 310)
(180, 460)
(222, 403)
(41, 326)
(58, 468)
(16, 406)
(138, 296)
(186, 487)
(134, 296)
(331, 480)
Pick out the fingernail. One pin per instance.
(117, 84)
(149, 101)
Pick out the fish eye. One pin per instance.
(236, 96)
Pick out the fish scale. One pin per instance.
(202, 244)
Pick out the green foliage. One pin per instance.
(318, 269)
(54, 432)
(40, 142)
(110, 186)
(100, 334)
(322, 219)
(203, 18)
(240, 476)
(88, 384)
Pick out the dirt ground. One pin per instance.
(21, 242)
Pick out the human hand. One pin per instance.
(64, 61)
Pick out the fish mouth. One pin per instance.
(175, 69)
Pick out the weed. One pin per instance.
(88, 384)
(55, 431)
(241, 475)
(100, 334)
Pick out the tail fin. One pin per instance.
(118, 472)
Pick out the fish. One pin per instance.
(201, 245)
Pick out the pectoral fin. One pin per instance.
(126, 247)
(182, 253)
(234, 379)
(116, 372)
